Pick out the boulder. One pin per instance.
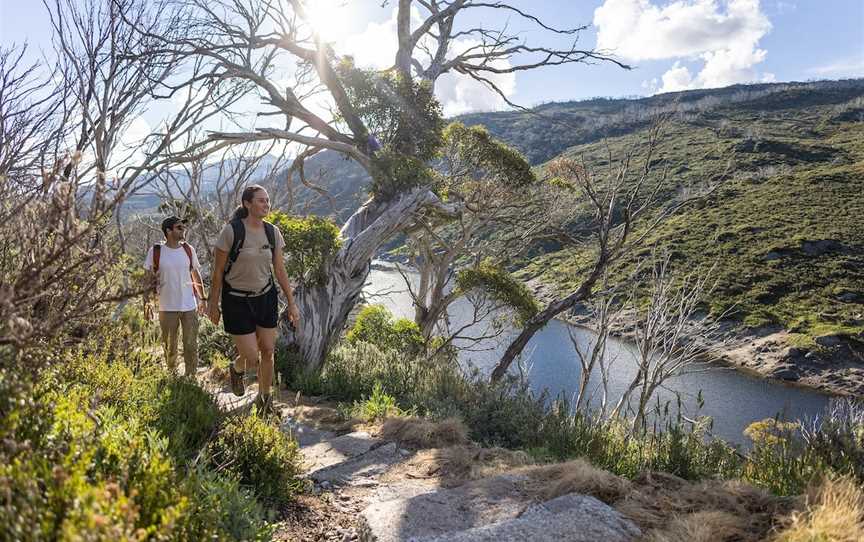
(569, 518)
(445, 511)
(830, 341)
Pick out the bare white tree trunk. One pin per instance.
(325, 308)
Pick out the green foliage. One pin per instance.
(375, 325)
(186, 414)
(493, 160)
(377, 406)
(310, 243)
(501, 286)
(265, 460)
(222, 510)
(394, 172)
(404, 116)
(97, 447)
(213, 342)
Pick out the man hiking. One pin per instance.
(181, 296)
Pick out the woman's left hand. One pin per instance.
(294, 315)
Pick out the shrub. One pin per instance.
(222, 510)
(102, 512)
(310, 243)
(186, 414)
(265, 460)
(96, 450)
(837, 439)
(213, 342)
(375, 325)
(377, 406)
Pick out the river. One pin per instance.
(731, 398)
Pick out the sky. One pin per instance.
(671, 45)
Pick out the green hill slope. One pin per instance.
(786, 228)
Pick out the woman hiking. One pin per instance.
(247, 257)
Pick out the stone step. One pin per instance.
(360, 470)
(445, 511)
(569, 518)
(333, 450)
(306, 435)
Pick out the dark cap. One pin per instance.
(170, 222)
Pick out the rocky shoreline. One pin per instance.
(835, 367)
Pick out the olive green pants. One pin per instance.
(171, 322)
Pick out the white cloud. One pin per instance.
(725, 40)
(847, 67)
(677, 78)
(376, 48)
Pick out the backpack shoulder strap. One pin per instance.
(237, 244)
(157, 251)
(270, 232)
(188, 250)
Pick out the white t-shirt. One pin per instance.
(175, 281)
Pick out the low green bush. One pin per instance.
(376, 325)
(221, 510)
(264, 459)
(213, 343)
(377, 406)
(101, 446)
(186, 414)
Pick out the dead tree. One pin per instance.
(387, 121)
(609, 206)
(672, 333)
(59, 262)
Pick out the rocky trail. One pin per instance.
(368, 488)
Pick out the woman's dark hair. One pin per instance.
(248, 194)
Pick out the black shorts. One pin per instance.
(242, 315)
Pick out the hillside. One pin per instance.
(785, 225)
(784, 229)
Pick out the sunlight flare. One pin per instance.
(329, 18)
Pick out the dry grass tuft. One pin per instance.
(710, 510)
(577, 476)
(834, 512)
(707, 526)
(421, 433)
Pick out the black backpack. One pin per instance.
(240, 238)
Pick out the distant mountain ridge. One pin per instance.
(550, 129)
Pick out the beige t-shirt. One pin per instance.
(252, 270)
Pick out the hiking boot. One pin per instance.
(237, 386)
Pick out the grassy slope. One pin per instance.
(795, 175)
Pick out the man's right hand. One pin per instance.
(213, 311)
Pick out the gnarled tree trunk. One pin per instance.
(324, 309)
